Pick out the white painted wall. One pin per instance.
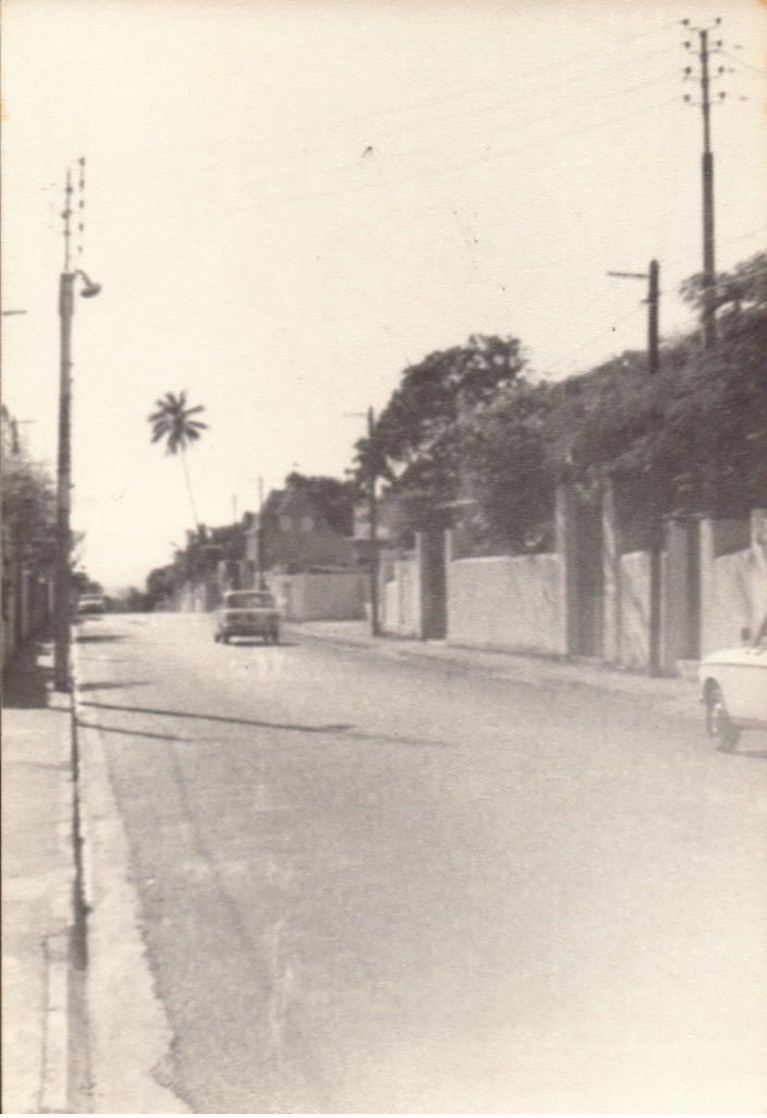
(400, 600)
(635, 610)
(512, 602)
(319, 596)
(730, 591)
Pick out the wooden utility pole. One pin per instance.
(707, 175)
(707, 169)
(62, 635)
(654, 667)
(375, 623)
(62, 586)
(260, 536)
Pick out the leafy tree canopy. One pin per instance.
(28, 511)
(334, 498)
(466, 430)
(430, 397)
(693, 439)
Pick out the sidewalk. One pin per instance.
(678, 697)
(40, 1069)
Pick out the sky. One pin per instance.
(287, 202)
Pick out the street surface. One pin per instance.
(372, 885)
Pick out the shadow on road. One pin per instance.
(247, 642)
(350, 732)
(113, 685)
(297, 727)
(87, 638)
(130, 733)
(27, 680)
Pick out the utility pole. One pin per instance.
(371, 479)
(62, 582)
(652, 275)
(707, 168)
(375, 624)
(707, 175)
(260, 536)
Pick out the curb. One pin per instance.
(517, 668)
(130, 1039)
(57, 1089)
(54, 1091)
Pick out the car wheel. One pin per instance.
(718, 721)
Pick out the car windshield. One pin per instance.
(249, 599)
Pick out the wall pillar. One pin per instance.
(431, 582)
(759, 554)
(566, 550)
(707, 585)
(679, 589)
(612, 637)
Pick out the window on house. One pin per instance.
(307, 524)
(286, 524)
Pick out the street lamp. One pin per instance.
(62, 599)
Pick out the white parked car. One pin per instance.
(248, 613)
(734, 684)
(91, 604)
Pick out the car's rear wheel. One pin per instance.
(718, 722)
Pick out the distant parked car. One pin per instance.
(248, 613)
(734, 684)
(91, 603)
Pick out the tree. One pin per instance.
(335, 498)
(415, 442)
(433, 392)
(28, 513)
(692, 439)
(172, 422)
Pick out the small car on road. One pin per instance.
(91, 604)
(734, 689)
(248, 613)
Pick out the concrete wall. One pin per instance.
(512, 602)
(400, 601)
(634, 606)
(319, 596)
(198, 597)
(733, 583)
(759, 554)
(27, 605)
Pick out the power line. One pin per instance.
(575, 106)
(743, 64)
(559, 361)
(517, 98)
(476, 161)
(622, 49)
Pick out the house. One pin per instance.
(305, 560)
(293, 533)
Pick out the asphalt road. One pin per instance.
(367, 885)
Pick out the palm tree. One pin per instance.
(172, 422)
